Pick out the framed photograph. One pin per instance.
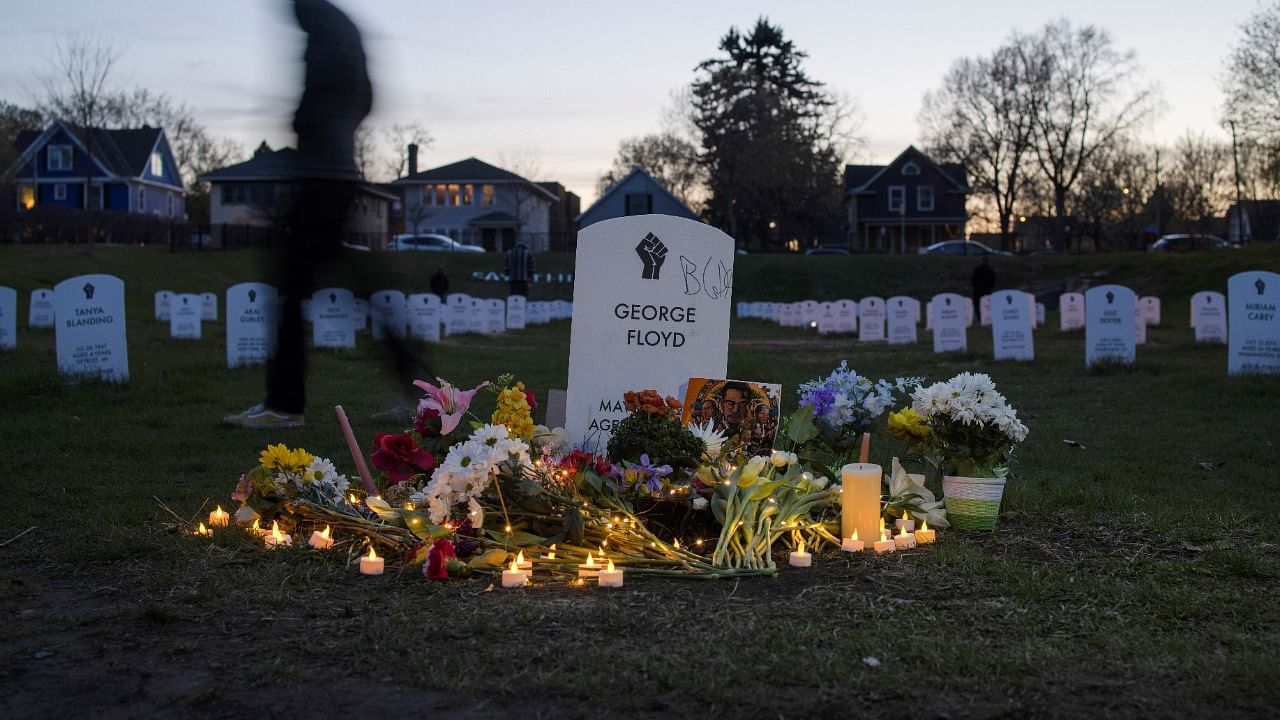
(746, 412)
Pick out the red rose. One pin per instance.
(427, 423)
(400, 457)
(437, 567)
(533, 402)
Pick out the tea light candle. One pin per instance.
(611, 576)
(903, 540)
(800, 558)
(860, 499)
(277, 539)
(514, 577)
(906, 521)
(552, 555)
(853, 544)
(884, 544)
(321, 540)
(525, 566)
(588, 569)
(203, 531)
(219, 517)
(371, 564)
(924, 535)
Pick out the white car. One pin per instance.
(431, 242)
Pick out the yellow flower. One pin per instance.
(281, 458)
(908, 426)
(514, 412)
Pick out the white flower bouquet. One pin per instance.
(970, 425)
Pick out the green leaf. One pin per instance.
(383, 510)
(718, 506)
(490, 558)
(800, 427)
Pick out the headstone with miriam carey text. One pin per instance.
(1110, 328)
(1253, 323)
(90, 331)
(251, 323)
(652, 299)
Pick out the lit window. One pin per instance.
(59, 192)
(466, 194)
(157, 164)
(440, 189)
(454, 191)
(487, 190)
(28, 197)
(911, 169)
(897, 198)
(924, 198)
(59, 157)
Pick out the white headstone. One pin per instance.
(949, 328)
(163, 298)
(809, 311)
(846, 316)
(387, 314)
(40, 311)
(1040, 313)
(332, 324)
(1150, 309)
(1109, 325)
(90, 332)
(425, 315)
(251, 323)
(360, 314)
(1139, 326)
(902, 313)
(871, 319)
(984, 310)
(516, 307)
(1071, 311)
(826, 318)
(651, 300)
(1031, 309)
(476, 315)
(495, 316)
(535, 312)
(8, 318)
(1253, 323)
(968, 312)
(1011, 326)
(457, 310)
(208, 307)
(1209, 316)
(185, 316)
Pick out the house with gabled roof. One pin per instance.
(638, 193)
(476, 203)
(910, 203)
(130, 171)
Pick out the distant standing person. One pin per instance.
(984, 280)
(519, 269)
(440, 282)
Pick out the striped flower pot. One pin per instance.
(972, 503)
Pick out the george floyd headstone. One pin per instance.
(251, 323)
(495, 316)
(1011, 326)
(360, 314)
(516, 309)
(1150, 309)
(1253, 323)
(1109, 325)
(332, 324)
(902, 313)
(387, 314)
(90, 332)
(871, 319)
(1071, 311)
(185, 316)
(425, 316)
(1139, 326)
(457, 309)
(949, 328)
(651, 300)
(209, 307)
(8, 318)
(40, 312)
(163, 298)
(984, 310)
(1209, 316)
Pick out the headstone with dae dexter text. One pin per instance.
(1110, 325)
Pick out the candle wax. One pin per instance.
(801, 559)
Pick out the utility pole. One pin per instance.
(1159, 196)
(1235, 157)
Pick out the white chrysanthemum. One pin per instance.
(466, 455)
(712, 439)
(438, 509)
(511, 451)
(321, 470)
(491, 434)
(475, 513)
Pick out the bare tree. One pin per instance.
(1199, 184)
(671, 160)
(76, 89)
(399, 137)
(1252, 79)
(1091, 99)
(366, 151)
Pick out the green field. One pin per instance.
(1135, 573)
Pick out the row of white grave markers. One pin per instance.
(165, 300)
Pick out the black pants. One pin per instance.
(518, 287)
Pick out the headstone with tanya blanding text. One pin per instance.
(1110, 327)
(90, 332)
(252, 323)
(1253, 323)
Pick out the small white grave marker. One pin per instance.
(208, 307)
(40, 312)
(332, 324)
(1150, 309)
(903, 316)
(457, 310)
(425, 316)
(846, 316)
(1209, 316)
(984, 310)
(1253, 323)
(871, 319)
(387, 314)
(1110, 327)
(90, 331)
(252, 317)
(8, 318)
(185, 316)
(949, 328)
(163, 298)
(1071, 311)
(360, 314)
(495, 316)
(1011, 326)
(476, 315)
(516, 307)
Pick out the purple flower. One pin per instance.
(647, 474)
(820, 399)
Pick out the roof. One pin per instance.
(120, 152)
(636, 171)
(496, 217)
(471, 170)
(278, 166)
(859, 178)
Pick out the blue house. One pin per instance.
(133, 171)
(636, 194)
(908, 204)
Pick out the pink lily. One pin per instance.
(447, 400)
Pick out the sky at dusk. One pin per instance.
(556, 85)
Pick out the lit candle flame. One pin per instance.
(611, 569)
(372, 555)
(882, 522)
(257, 525)
(883, 535)
(514, 566)
(552, 555)
(520, 558)
(800, 548)
(902, 532)
(854, 536)
(924, 526)
(677, 543)
(352, 499)
(325, 533)
(275, 531)
(203, 530)
(591, 560)
(409, 506)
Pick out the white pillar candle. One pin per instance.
(904, 522)
(276, 539)
(904, 540)
(588, 569)
(611, 576)
(860, 499)
(853, 544)
(924, 535)
(884, 544)
(514, 577)
(800, 558)
(371, 564)
(321, 540)
(219, 517)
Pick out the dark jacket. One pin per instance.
(337, 95)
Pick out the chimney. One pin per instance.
(413, 158)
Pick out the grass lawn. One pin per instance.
(1135, 573)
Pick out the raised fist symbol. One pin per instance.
(652, 253)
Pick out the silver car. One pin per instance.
(430, 242)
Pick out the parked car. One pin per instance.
(1188, 242)
(960, 247)
(355, 246)
(432, 242)
(826, 251)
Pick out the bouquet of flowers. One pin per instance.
(965, 424)
(839, 408)
(653, 430)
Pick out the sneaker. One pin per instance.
(260, 416)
